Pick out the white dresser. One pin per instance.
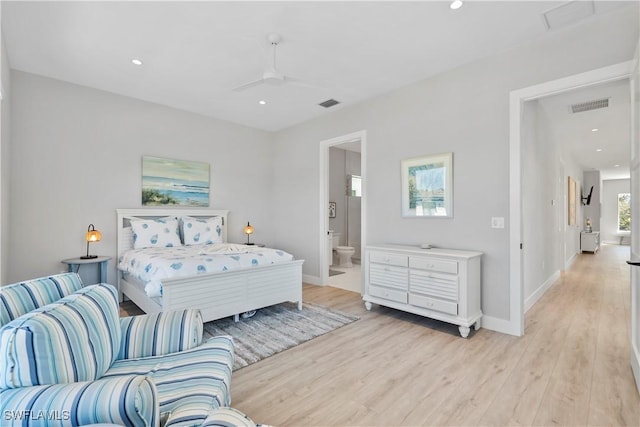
(442, 284)
(589, 242)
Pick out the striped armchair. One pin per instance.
(74, 361)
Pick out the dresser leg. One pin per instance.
(367, 305)
(464, 331)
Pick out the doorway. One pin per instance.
(343, 213)
(518, 98)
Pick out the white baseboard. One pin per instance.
(499, 325)
(635, 365)
(570, 262)
(312, 280)
(538, 293)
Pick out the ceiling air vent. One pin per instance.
(590, 105)
(329, 103)
(567, 13)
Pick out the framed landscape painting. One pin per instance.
(427, 186)
(174, 182)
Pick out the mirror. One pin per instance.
(354, 186)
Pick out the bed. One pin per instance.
(219, 289)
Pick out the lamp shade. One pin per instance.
(93, 235)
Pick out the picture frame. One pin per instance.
(174, 182)
(332, 209)
(427, 186)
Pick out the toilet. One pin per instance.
(344, 252)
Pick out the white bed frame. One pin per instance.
(217, 295)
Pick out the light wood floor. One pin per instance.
(395, 369)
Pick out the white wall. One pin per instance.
(5, 133)
(76, 157)
(609, 224)
(337, 183)
(464, 111)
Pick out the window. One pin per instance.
(624, 212)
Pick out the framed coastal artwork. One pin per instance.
(174, 182)
(427, 186)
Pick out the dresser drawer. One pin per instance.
(437, 285)
(433, 304)
(388, 294)
(389, 259)
(434, 264)
(389, 276)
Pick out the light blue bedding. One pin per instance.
(152, 265)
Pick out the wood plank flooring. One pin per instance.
(395, 369)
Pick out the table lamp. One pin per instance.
(248, 230)
(92, 235)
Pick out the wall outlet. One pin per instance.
(497, 222)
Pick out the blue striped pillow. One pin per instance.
(74, 339)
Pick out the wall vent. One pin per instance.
(590, 105)
(329, 103)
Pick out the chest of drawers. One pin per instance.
(442, 284)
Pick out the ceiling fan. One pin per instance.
(271, 76)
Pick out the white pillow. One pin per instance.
(155, 233)
(197, 231)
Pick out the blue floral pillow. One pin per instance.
(197, 231)
(155, 233)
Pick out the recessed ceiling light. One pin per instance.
(262, 102)
(616, 166)
(456, 4)
(598, 149)
(595, 130)
(136, 61)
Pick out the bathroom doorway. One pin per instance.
(342, 225)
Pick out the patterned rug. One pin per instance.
(275, 329)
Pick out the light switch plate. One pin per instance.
(497, 222)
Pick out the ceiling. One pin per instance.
(593, 150)
(195, 53)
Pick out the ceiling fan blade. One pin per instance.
(248, 85)
(301, 82)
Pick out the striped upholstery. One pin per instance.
(228, 417)
(74, 339)
(127, 400)
(77, 361)
(160, 333)
(20, 298)
(190, 383)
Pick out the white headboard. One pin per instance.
(125, 236)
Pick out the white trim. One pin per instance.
(516, 99)
(498, 325)
(312, 280)
(570, 261)
(324, 195)
(535, 296)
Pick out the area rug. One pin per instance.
(335, 272)
(275, 329)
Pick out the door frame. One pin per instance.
(635, 224)
(323, 227)
(515, 324)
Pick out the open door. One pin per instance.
(635, 218)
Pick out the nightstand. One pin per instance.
(75, 263)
